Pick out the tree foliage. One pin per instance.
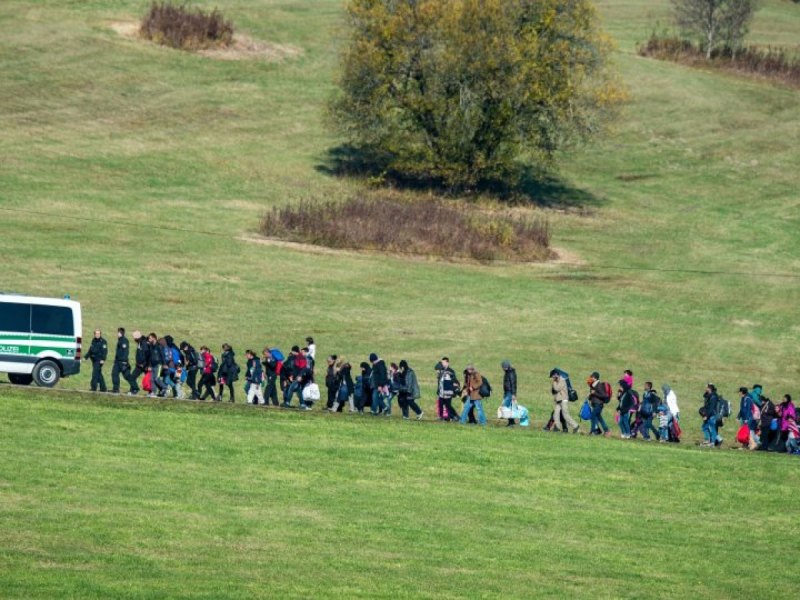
(715, 23)
(460, 91)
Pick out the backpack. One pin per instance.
(236, 370)
(486, 388)
(608, 390)
(723, 408)
(572, 394)
(277, 354)
(756, 412)
(177, 356)
(214, 364)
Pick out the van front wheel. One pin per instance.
(20, 379)
(46, 373)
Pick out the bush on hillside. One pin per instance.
(426, 226)
(768, 62)
(179, 26)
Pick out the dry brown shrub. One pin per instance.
(179, 26)
(426, 226)
(771, 63)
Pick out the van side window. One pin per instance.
(53, 320)
(15, 317)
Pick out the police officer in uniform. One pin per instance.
(98, 352)
(121, 364)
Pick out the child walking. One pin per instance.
(663, 424)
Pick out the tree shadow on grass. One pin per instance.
(535, 187)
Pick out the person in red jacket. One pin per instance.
(207, 379)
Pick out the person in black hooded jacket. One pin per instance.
(768, 435)
(625, 396)
(228, 371)
(709, 414)
(142, 361)
(191, 359)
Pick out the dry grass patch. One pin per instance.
(423, 226)
(241, 47)
(770, 63)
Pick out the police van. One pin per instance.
(40, 339)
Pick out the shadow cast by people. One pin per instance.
(535, 186)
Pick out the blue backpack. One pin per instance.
(358, 393)
(177, 357)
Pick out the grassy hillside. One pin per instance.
(133, 171)
(133, 178)
(149, 500)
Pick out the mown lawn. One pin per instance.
(123, 499)
(133, 178)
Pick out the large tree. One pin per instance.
(715, 23)
(462, 91)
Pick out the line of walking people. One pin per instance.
(274, 378)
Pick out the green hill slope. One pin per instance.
(133, 177)
(152, 500)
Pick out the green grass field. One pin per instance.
(133, 178)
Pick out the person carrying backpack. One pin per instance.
(228, 371)
(270, 365)
(560, 392)
(599, 396)
(173, 360)
(709, 412)
(447, 386)
(647, 412)
(472, 395)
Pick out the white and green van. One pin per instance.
(40, 339)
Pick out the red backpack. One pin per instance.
(609, 392)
